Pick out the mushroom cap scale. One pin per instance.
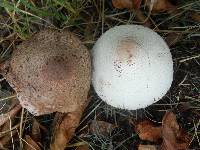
(132, 67)
(51, 72)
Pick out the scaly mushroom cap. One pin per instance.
(132, 67)
(51, 72)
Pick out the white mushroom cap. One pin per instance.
(132, 67)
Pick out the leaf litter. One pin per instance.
(64, 126)
(172, 135)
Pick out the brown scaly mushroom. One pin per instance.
(50, 72)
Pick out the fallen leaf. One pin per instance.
(101, 127)
(133, 4)
(5, 130)
(157, 6)
(83, 147)
(9, 117)
(174, 138)
(142, 18)
(5, 117)
(4, 140)
(183, 137)
(30, 144)
(148, 147)
(195, 16)
(147, 131)
(128, 4)
(9, 101)
(7, 120)
(36, 133)
(170, 130)
(65, 125)
(172, 38)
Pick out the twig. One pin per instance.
(189, 58)
(20, 129)
(9, 97)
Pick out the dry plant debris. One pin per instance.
(173, 137)
(7, 121)
(195, 16)
(7, 138)
(148, 131)
(101, 127)
(147, 147)
(30, 144)
(157, 6)
(36, 133)
(129, 4)
(172, 38)
(5, 117)
(83, 147)
(64, 126)
(154, 6)
(34, 140)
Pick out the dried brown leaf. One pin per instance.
(30, 144)
(172, 38)
(174, 138)
(101, 127)
(5, 117)
(4, 140)
(147, 147)
(65, 125)
(147, 131)
(143, 19)
(170, 128)
(83, 147)
(157, 6)
(5, 127)
(128, 4)
(195, 16)
(36, 133)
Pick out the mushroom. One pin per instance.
(50, 72)
(132, 67)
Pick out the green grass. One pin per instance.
(26, 16)
(19, 19)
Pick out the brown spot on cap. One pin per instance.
(57, 68)
(125, 50)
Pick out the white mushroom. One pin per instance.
(132, 67)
